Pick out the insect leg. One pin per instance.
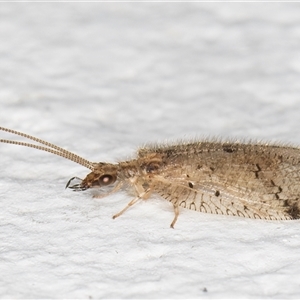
(143, 196)
(132, 202)
(116, 188)
(176, 211)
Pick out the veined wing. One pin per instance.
(228, 185)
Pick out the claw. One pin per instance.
(76, 187)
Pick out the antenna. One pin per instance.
(51, 148)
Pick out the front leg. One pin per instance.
(116, 188)
(143, 195)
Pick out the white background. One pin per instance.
(102, 79)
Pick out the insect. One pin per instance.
(259, 181)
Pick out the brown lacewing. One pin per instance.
(253, 180)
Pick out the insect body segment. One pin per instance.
(102, 175)
(258, 181)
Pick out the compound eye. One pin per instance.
(107, 179)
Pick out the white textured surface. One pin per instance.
(103, 78)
